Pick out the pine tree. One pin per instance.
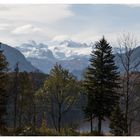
(101, 81)
(3, 92)
(117, 122)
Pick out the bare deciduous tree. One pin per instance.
(129, 62)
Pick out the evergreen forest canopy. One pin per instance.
(56, 104)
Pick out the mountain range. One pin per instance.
(14, 56)
(73, 56)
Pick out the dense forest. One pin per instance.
(54, 104)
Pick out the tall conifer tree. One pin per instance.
(101, 81)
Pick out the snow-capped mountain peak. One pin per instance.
(69, 49)
(67, 53)
(72, 44)
(32, 42)
(32, 49)
(71, 55)
(65, 50)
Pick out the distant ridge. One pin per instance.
(13, 56)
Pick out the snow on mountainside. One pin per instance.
(34, 50)
(13, 56)
(62, 51)
(71, 55)
(70, 50)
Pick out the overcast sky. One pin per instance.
(83, 23)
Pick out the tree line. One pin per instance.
(108, 93)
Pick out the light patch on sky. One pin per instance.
(83, 23)
(26, 29)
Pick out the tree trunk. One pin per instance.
(130, 126)
(59, 118)
(91, 125)
(52, 114)
(99, 125)
(34, 117)
(20, 117)
(15, 92)
(15, 111)
(15, 106)
(127, 102)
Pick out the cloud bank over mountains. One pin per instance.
(82, 23)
